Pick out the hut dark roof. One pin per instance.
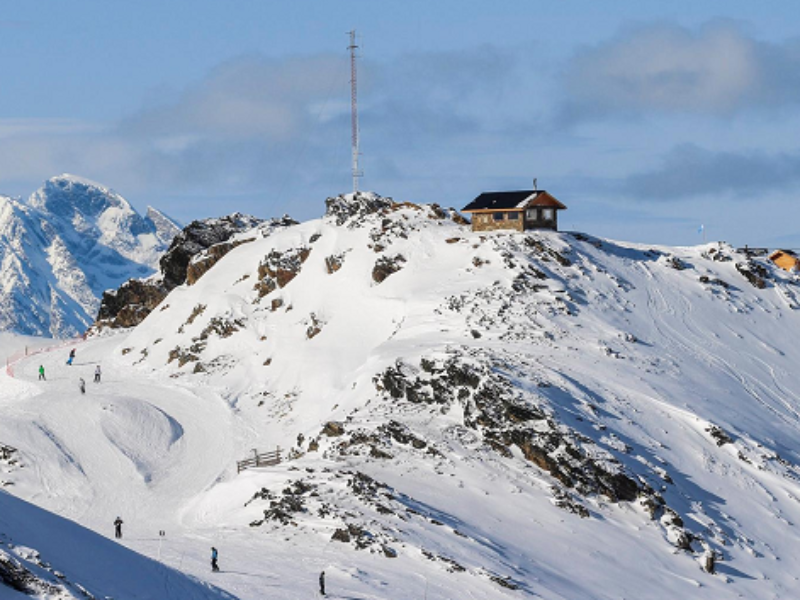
(509, 200)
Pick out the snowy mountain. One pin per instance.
(61, 250)
(463, 415)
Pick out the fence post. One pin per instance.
(255, 452)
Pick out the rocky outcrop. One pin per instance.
(16, 577)
(201, 263)
(754, 273)
(130, 304)
(506, 420)
(386, 266)
(191, 255)
(277, 269)
(351, 208)
(197, 237)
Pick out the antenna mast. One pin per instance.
(354, 109)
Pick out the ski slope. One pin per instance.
(663, 365)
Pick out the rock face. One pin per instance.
(131, 303)
(202, 262)
(350, 208)
(192, 253)
(197, 237)
(59, 251)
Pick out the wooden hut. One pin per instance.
(519, 211)
(786, 259)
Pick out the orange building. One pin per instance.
(785, 259)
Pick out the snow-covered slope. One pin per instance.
(467, 415)
(62, 249)
(45, 556)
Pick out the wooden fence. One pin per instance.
(6, 451)
(264, 459)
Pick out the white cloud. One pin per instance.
(247, 98)
(715, 70)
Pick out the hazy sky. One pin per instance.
(647, 118)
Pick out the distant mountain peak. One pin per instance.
(59, 251)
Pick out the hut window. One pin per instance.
(547, 214)
(513, 216)
(498, 216)
(531, 214)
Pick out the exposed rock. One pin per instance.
(505, 582)
(385, 266)
(130, 304)
(352, 208)
(334, 263)
(458, 217)
(341, 535)
(196, 237)
(201, 263)
(719, 435)
(713, 281)
(754, 273)
(277, 269)
(221, 327)
(182, 356)
(314, 326)
(676, 263)
(16, 577)
(333, 429)
(545, 252)
(489, 405)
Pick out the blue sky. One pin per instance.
(646, 118)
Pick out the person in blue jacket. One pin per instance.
(214, 555)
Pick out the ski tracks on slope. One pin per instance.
(689, 343)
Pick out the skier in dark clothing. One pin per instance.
(41, 373)
(82, 385)
(322, 583)
(97, 374)
(118, 528)
(214, 566)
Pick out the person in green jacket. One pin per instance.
(41, 373)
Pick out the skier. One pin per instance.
(118, 528)
(322, 583)
(41, 373)
(71, 357)
(97, 374)
(214, 566)
(82, 385)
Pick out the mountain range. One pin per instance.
(63, 247)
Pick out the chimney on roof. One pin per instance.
(534, 184)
